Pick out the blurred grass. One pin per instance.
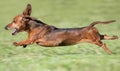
(60, 13)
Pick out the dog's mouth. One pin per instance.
(15, 31)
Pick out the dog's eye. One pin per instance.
(14, 21)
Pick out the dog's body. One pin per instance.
(49, 36)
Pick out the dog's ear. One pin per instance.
(26, 18)
(27, 10)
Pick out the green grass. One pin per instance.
(61, 13)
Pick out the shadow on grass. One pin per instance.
(77, 51)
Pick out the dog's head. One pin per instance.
(19, 22)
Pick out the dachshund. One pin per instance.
(50, 36)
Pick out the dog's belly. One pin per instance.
(59, 41)
(70, 41)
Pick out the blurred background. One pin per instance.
(62, 14)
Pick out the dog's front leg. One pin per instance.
(23, 43)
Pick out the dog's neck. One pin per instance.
(43, 28)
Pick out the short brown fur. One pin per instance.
(49, 36)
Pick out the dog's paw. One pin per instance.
(115, 37)
(15, 43)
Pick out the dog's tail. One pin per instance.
(100, 22)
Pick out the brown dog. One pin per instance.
(49, 36)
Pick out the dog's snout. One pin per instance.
(6, 28)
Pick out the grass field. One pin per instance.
(61, 13)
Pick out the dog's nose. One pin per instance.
(6, 28)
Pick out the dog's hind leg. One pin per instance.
(103, 45)
(106, 37)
